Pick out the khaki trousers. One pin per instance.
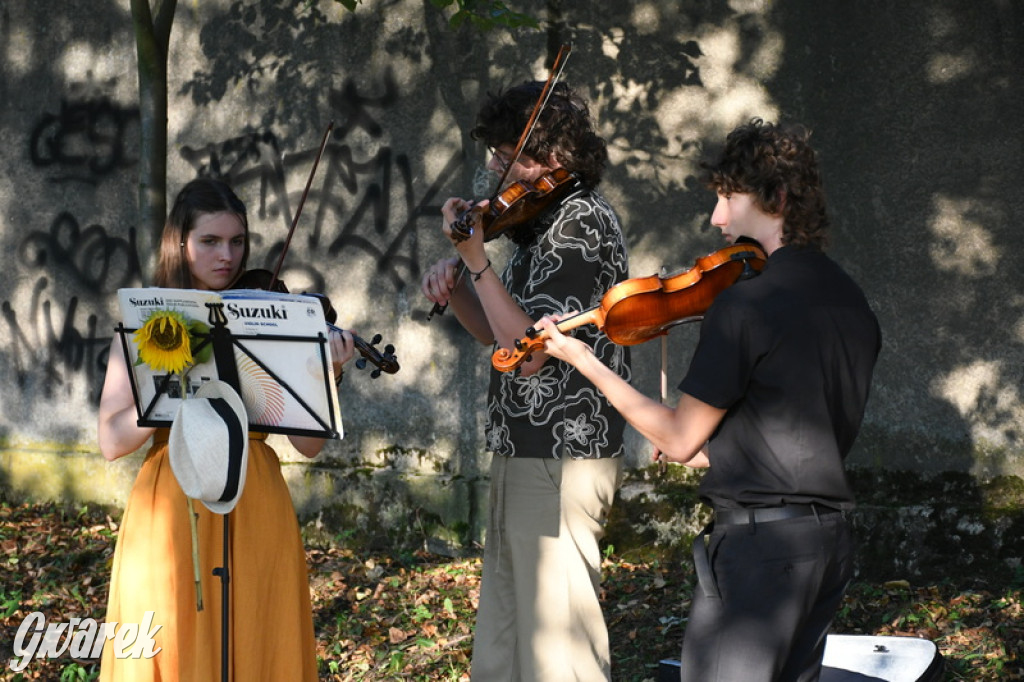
(539, 618)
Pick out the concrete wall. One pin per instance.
(917, 109)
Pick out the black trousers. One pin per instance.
(766, 596)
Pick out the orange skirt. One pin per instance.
(270, 624)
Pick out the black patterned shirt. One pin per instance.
(556, 412)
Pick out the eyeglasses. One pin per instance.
(504, 159)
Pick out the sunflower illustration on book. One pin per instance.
(167, 342)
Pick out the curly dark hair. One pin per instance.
(564, 128)
(777, 165)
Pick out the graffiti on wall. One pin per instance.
(361, 204)
(52, 335)
(96, 261)
(54, 341)
(365, 204)
(84, 141)
(52, 352)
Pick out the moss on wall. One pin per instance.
(911, 525)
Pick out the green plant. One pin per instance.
(74, 672)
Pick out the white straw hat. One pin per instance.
(209, 446)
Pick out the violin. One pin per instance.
(518, 203)
(385, 361)
(637, 310)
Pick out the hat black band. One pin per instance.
(235, 436)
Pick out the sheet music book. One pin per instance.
(276, 376)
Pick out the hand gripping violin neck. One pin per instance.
(637, 310)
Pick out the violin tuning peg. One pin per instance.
(361, 363)
(375, 373)
(389, 349)
(376, 339)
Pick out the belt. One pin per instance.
(766, 514)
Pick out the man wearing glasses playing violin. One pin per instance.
(557, 443)
(771, 404)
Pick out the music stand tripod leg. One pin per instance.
(225, 583)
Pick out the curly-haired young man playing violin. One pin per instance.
(771, 404)
(557, 443)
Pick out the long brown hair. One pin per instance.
(199, 197)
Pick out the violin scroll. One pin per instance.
(505, 360)
(384, 362)
(462, 228)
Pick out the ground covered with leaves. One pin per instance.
(410, 616)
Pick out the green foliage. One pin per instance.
(73, 672)
(9, 603)
(483, 15)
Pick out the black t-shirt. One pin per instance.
(789, 354)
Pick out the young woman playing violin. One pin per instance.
(205, 245)
(557, 444)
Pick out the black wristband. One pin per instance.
(478, 275)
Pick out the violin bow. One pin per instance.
(298, 210)
(556, 72)
(545, 94)
(662, 463)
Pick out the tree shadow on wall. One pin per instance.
(881, 122)
(912, 108)
(295, 48)
(912, 134)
